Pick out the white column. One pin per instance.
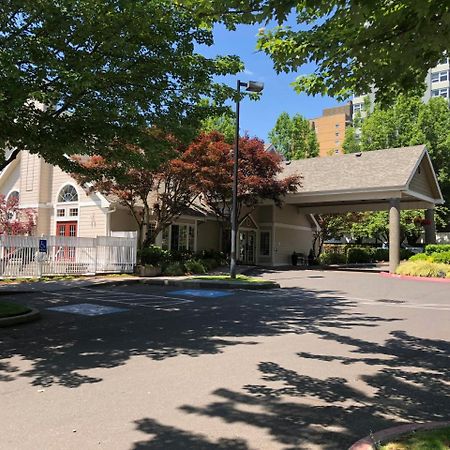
(394, 234)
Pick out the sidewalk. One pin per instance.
(181, 281)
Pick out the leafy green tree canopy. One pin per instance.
(355, 44)
(409, 121)
(294, 137)
(224, 123)
(90, 77)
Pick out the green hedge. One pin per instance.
(353, 254)
(437, 248)
(442, 257)
(332, 258)
(420, 257)
(359, 255)
(180, 262)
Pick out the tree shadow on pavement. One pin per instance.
(61, 346)
(299, 411)
(167, 437)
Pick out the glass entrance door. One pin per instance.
(247, 247)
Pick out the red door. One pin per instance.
(66, 229)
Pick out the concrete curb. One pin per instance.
(368, 443)
(157, 281)
(31, 316)
(413, 278)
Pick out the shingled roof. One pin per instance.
(380, 169)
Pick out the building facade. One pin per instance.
(330, 129)
(437, 84)
(269, 235)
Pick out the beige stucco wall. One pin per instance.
(208, 235)
(288, 214)
(287, 240)
(263, 214)
(122, 220)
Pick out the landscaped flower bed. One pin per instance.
(421, 440)
(434, 262)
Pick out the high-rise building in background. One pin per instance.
(330, 128)
(437, 85)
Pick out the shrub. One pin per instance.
(195, 266)
(174, 269)
(211, 254)
(420, 257)
(381, 254)
(359, 255)
(405, 253)
(442, 257)
(331, 258)
(335, 248)
(424, 269)
(210, 263)
(153, 255)
(180, 255)
(437, 248)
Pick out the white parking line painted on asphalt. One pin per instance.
(126, 298)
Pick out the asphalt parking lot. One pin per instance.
(325, 360)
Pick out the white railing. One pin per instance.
(20, 256)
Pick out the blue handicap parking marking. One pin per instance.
(88, 309)
(206, 293)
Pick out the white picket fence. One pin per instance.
(20, 256)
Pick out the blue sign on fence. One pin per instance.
(43, 245)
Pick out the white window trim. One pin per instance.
(61, 188)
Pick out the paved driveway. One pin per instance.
(315, 365)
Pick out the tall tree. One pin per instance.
(258, 176)
(351, 142)
(224, 123)
(89, 76)
(153, 193)
(409, 122)
(294, 137)
(354, 44)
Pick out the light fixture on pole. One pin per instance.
(250, 86)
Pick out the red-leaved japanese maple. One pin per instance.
(13, 219)
(258, 175)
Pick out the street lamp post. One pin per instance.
(251, 86)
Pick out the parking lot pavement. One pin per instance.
(315, 365)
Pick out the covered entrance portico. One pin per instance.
(392, 179)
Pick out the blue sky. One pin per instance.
(257, 118)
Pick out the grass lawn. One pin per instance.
(11, 309)
(241, 278)
(422, 440)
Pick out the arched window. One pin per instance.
(68, 194)
(14, 195)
